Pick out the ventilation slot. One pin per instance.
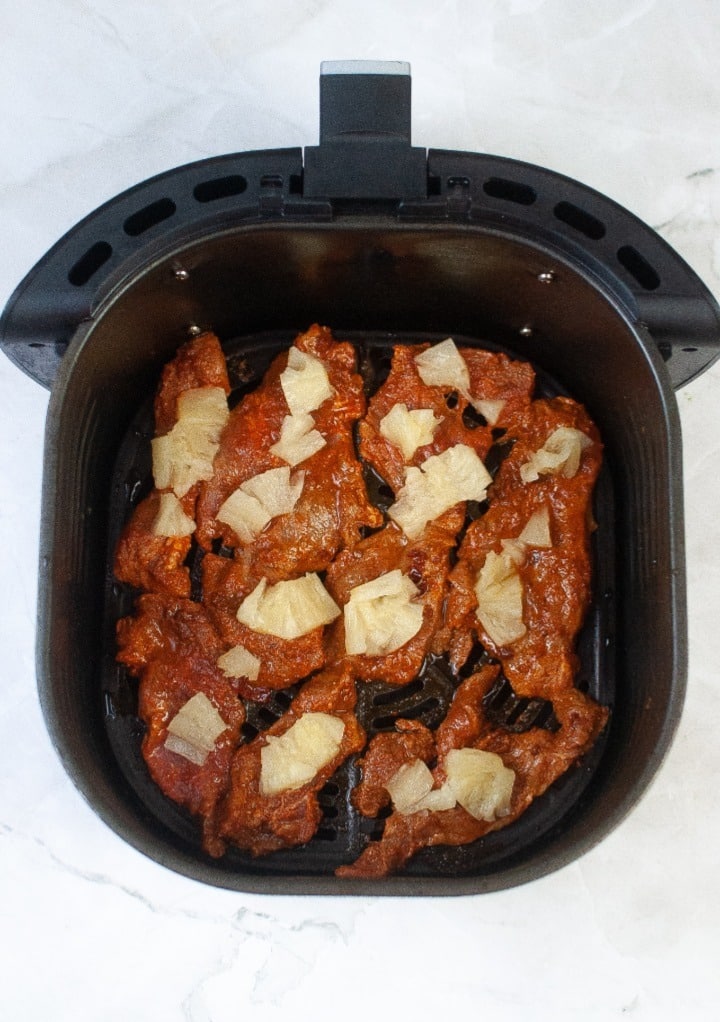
(516, 713)
(511, 191)
(149, 216)
(415, 712)
(580, 220)
(638, 267)
(220, 188)
(87, 265)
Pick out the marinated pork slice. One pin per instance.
(387, 636)
(386, 753)
(492, 380)
(198, 363)
(522, 582)
(150, 555)
(261, 822)
(537, 758)
(150, 562)
(226, 585)
(192, 712)
(332, 507)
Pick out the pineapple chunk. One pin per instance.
(298, 439)
(380, 615)
(275, 490)
(239, 662)
(481, 782)
(499, 593)
(171, 520)
(409, 430)
(442, 481)
(537, 529)
(290, 760)
(411, 790)
(203, 406)
(443, 366)
(559, 455)
(194, 729)
(305, 382)
(288, 609)
(184, 456)
(244, 514)
(499, 589)
(259, 499)
(409, 785)
(488, 408)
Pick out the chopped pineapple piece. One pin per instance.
(171, 520)
(438, 799)
(442, 365)
(194, 729)
(239, 662)
(184, 456)
(298, 439)
(290, 760)
(245, 515)
(499, 593)
(559, 455)
(411, 790)
(488, 408)
(305, 382)
(288, 609)
(537, 529)
(276, 490)
(203, 406)
(499, 589)
(409, 430)
(260, 499)
(481, 782)
(442, 481)
(409, 785)
(380, 616)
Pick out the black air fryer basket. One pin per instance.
(384, 243)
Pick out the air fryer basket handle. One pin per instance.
(365, 150)
(364, 165)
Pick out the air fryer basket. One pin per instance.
(259, 245)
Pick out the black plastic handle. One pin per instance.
(364, 163)
(365, 119)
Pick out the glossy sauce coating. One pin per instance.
(172, 643)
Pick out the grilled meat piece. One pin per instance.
(555, 579)
(143, 560)
(425, 561)
(493, 377)
(226, 583)
(266, 823)
(333, 506)
(385, 754)
(172, 647)
(538, 758)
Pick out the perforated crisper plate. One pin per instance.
(343, 833)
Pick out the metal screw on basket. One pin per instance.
(526, 331)
(194, 330)
(180, 273)
(546, 277)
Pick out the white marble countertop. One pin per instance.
(98, 95)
